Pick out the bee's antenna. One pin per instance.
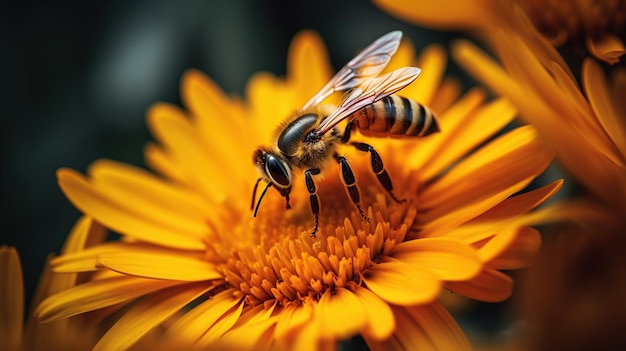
(256, 185)
(256, 209)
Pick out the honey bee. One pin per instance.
(308, 139)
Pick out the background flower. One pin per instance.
(584, 119)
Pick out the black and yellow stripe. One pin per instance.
(395, 116)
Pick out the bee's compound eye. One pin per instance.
(277, 171)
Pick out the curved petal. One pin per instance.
(430, 148)
(511, 249)
(148, 314)
(597, 91)
(217, 118)
(446, 14)
(489, 286)
(492, 220)
(160, 265)
(448, 259)
(423, 327)
(194, 324)
(158, 224)
(432, 61)
(11, 298)
(177, 133)
(308, 66)
(464, 135)
(397, 283)
(95, 295)
(344, 311)
(380, 321)
(606, 47)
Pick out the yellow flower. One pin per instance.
(193, 261)
(76, 333)
(600, 24)
(588, 130)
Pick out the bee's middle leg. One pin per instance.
(378, 168)
(313, 199)
(350, 183)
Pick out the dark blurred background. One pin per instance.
(78, 76)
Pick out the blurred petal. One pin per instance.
(11, 298)
(607, 47)
(489, 286)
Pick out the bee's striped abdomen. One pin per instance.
(395, 116)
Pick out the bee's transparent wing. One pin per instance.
(367, 63)
(367, 93)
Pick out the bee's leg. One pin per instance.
(350, 183)
(379, 169)
(313, 199)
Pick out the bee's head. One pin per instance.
(274, 169)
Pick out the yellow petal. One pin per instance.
(217, 118)
(85, 261)
(344, 310)
(292, 317)
(183, 266)
(157, 224)
(176, 132)
(598, 93)
(489, 286)
(439, 326)
(511, 249)
(86, 232)
(399, 284)
(95, 295)
(254, 328)
(508, 160)
(463, 135)
(380, 321)
(125, 178)
(221, 326)
(268, 104)
(519, 204)
(432, 61)
(606, 47)
(163, 163)
(448, 259)
(448, 93)
(446, 14)
(427, 150)
(147, 314)
(404, 56)
(307, 66)
(199, 320)
(11, 298)
(423, 327)
(490, 221)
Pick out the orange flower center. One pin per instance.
(280, 262)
